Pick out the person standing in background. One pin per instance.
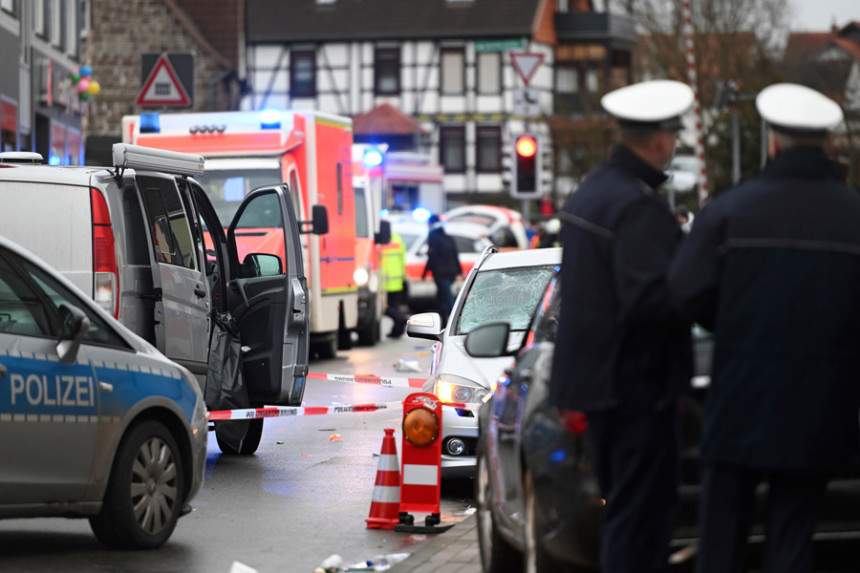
(443, 262)
(394, 275)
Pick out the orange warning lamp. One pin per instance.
(421, 426)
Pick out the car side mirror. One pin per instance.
(383, 237)
(425, 325)
(489, 340)
(75, 325)
(261, 265)
(319, 220)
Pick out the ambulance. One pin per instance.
(412, 182)
(371, 233)
(309, 151)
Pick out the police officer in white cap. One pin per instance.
(622, 353)
(772, 267)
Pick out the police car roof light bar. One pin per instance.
(127, 156)
(21, 157)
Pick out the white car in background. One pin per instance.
(503, 286)
(683, 174)
(505, 227)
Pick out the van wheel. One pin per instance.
(497, 555)
(230, 436)
(144, 495)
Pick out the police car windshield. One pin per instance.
(509, 295)
(227, 188)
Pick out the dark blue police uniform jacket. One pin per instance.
(619, 342)
(773, 268)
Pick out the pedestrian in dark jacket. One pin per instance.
(623, 354)
(772, 267)
(443, 262)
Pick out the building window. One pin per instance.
(10, 6)
(453, 81)
(489, 149)
(63, 25)
(40, 11)
(386, 70)
(452, 148)
(55, 23)
(303, 74)
(592, 81)
(489, 72)
(566, 80)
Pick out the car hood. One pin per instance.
(484, 371)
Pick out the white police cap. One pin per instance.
(793, 108)
(650, 106)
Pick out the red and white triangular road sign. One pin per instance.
(526, 64)
(163, 87)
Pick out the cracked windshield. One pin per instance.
(508, 294)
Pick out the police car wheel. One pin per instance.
(145, 494)
(239, 437)
(497, 556)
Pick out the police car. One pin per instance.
(95, 422)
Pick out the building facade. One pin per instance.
(41, 43)
(473, 73)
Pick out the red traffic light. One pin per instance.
(526, 146)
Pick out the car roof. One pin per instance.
(49, 173)
(522, 258)
(463, 229)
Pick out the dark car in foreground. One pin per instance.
(538, 503)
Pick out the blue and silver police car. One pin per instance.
(94, 422)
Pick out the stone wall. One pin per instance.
(120, 32)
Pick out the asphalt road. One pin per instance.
(301, 498)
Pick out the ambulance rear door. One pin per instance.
(267, 295)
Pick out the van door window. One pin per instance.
(168, 222)
(259, 229)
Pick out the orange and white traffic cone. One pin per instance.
(385, 507)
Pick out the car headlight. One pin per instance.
(460, 390)
(360, 276)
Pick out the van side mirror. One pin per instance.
(75, 325)
(489, 340)
(261, 265)
(383, 237)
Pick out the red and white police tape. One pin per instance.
(370, 379)
(284, 411)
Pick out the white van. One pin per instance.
(143, 240)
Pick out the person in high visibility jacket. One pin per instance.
(394, 273)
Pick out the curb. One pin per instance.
(454, 551)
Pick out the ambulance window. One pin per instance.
(296, 194)
(361, 230)
(339, 189)
(168, 222)
(21, 311)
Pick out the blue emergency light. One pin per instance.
(150, 123)
(421, 214)
(270, 119)
(372, 158)
(54, 160)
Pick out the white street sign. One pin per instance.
(526, 102)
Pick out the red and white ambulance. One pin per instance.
(308, 150)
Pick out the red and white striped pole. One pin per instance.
(697, 108)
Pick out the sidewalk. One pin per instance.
(455, 551)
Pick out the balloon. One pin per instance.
(84, 96)
(75, 77)
(86, 71)
(94, 88)
(83, 85)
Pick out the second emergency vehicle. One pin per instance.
(311, 152)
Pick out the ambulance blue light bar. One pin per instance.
(372, 158)
(150, 123)
(270, 119)
(421, 214)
